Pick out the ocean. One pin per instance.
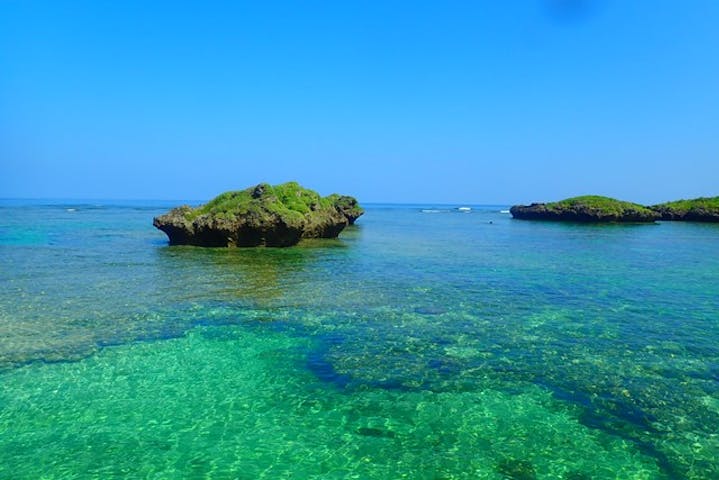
(424, 343)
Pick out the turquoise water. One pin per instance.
(418, 345)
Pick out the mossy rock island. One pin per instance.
(263, 215)
(586, 209)
(703, 209)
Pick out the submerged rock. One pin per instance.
(703, 209)
(587, 209)
(263, 215)
(376, 432)
(512, 469)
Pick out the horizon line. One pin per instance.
(100, 199)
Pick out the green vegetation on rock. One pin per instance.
(286, 199)
(586, 208)
(598, 205)
(698, 209)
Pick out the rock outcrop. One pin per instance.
(348, 206)
(263, 215)
(586, 209)
(703, 209)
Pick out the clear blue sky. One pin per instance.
(398, 101)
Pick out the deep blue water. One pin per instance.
(424, 343)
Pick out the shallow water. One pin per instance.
(430, 344)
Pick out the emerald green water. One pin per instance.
(418, 345)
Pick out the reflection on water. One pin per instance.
(257, 276)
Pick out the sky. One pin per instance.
(481, 102)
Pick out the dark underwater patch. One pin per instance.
(375, 432)
(512, 469)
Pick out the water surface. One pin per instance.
(424, 343)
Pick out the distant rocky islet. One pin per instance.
(598, 209)
(703, 209)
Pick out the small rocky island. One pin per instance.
(586, 209)
(263, 215)
(703, 209)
